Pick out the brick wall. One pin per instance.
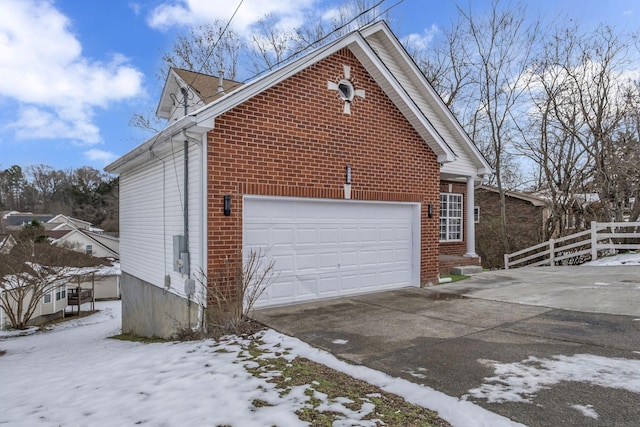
(524, 227)
(294, 140)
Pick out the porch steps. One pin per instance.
(466, 269)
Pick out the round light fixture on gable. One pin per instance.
(345, 89)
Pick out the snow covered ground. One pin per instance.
(622, 259)
(74, 375)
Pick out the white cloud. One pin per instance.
(43, 70)
(100, 156)
(193, 12)
(422, 41)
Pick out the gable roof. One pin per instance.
(385, 71)
(204, 86)
(67, 220)
(534, 200)
(87, 236)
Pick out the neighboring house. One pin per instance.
(344, 165)
(82, 236)
(526, 216)
(103, 280)
(63, 222)
(51, 306)
(100, 246)
(16, 220)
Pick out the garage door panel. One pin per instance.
(256, 236)
(280, 289)
(306, 235)
(368, 235)
(306, 286)
(280, 235)
(349, 235)
(328, 260)
(328, 285)
(326, 249)
(328, 233)
(284, 263)
(348, 258)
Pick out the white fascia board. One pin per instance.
(194, 125)
(388, 82)
(484, 167)
(170, 85)
(260, 84)
(355, 42)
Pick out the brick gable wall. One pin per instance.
(294, 140)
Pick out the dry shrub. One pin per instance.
(234, 289)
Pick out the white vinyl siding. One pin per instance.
(434, 113)
(149, 219)
(450, 217)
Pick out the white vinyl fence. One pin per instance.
(603, 238)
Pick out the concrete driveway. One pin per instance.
(542, 346)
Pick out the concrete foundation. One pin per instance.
(149, 311)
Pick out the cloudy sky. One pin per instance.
(73, 72)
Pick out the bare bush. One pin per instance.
(233, 291)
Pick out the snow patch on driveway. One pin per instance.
(520, 381)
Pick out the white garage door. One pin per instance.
(330, 248)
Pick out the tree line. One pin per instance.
(553, 106)
(84, 193)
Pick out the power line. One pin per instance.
(326, 36)
(213, 47)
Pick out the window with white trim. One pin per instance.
(61, 293)
(476, 214)
(450, 217)
(47, 298)
(88, 249)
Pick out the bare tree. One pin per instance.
(557, 152)
(206, 49)
(270, 44)
(604, 100)
(502, 47)
(582, 126)
(446, 63)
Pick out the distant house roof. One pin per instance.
(23, 218)
(205, 87)
(534, 200)
(74, 222)
(56, 234)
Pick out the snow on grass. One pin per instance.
(586, 410)
(520, 381)
(622, 259)
(73, 374)
(457, 412)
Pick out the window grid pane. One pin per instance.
(450, 217)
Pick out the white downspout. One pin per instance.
(203, 233)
